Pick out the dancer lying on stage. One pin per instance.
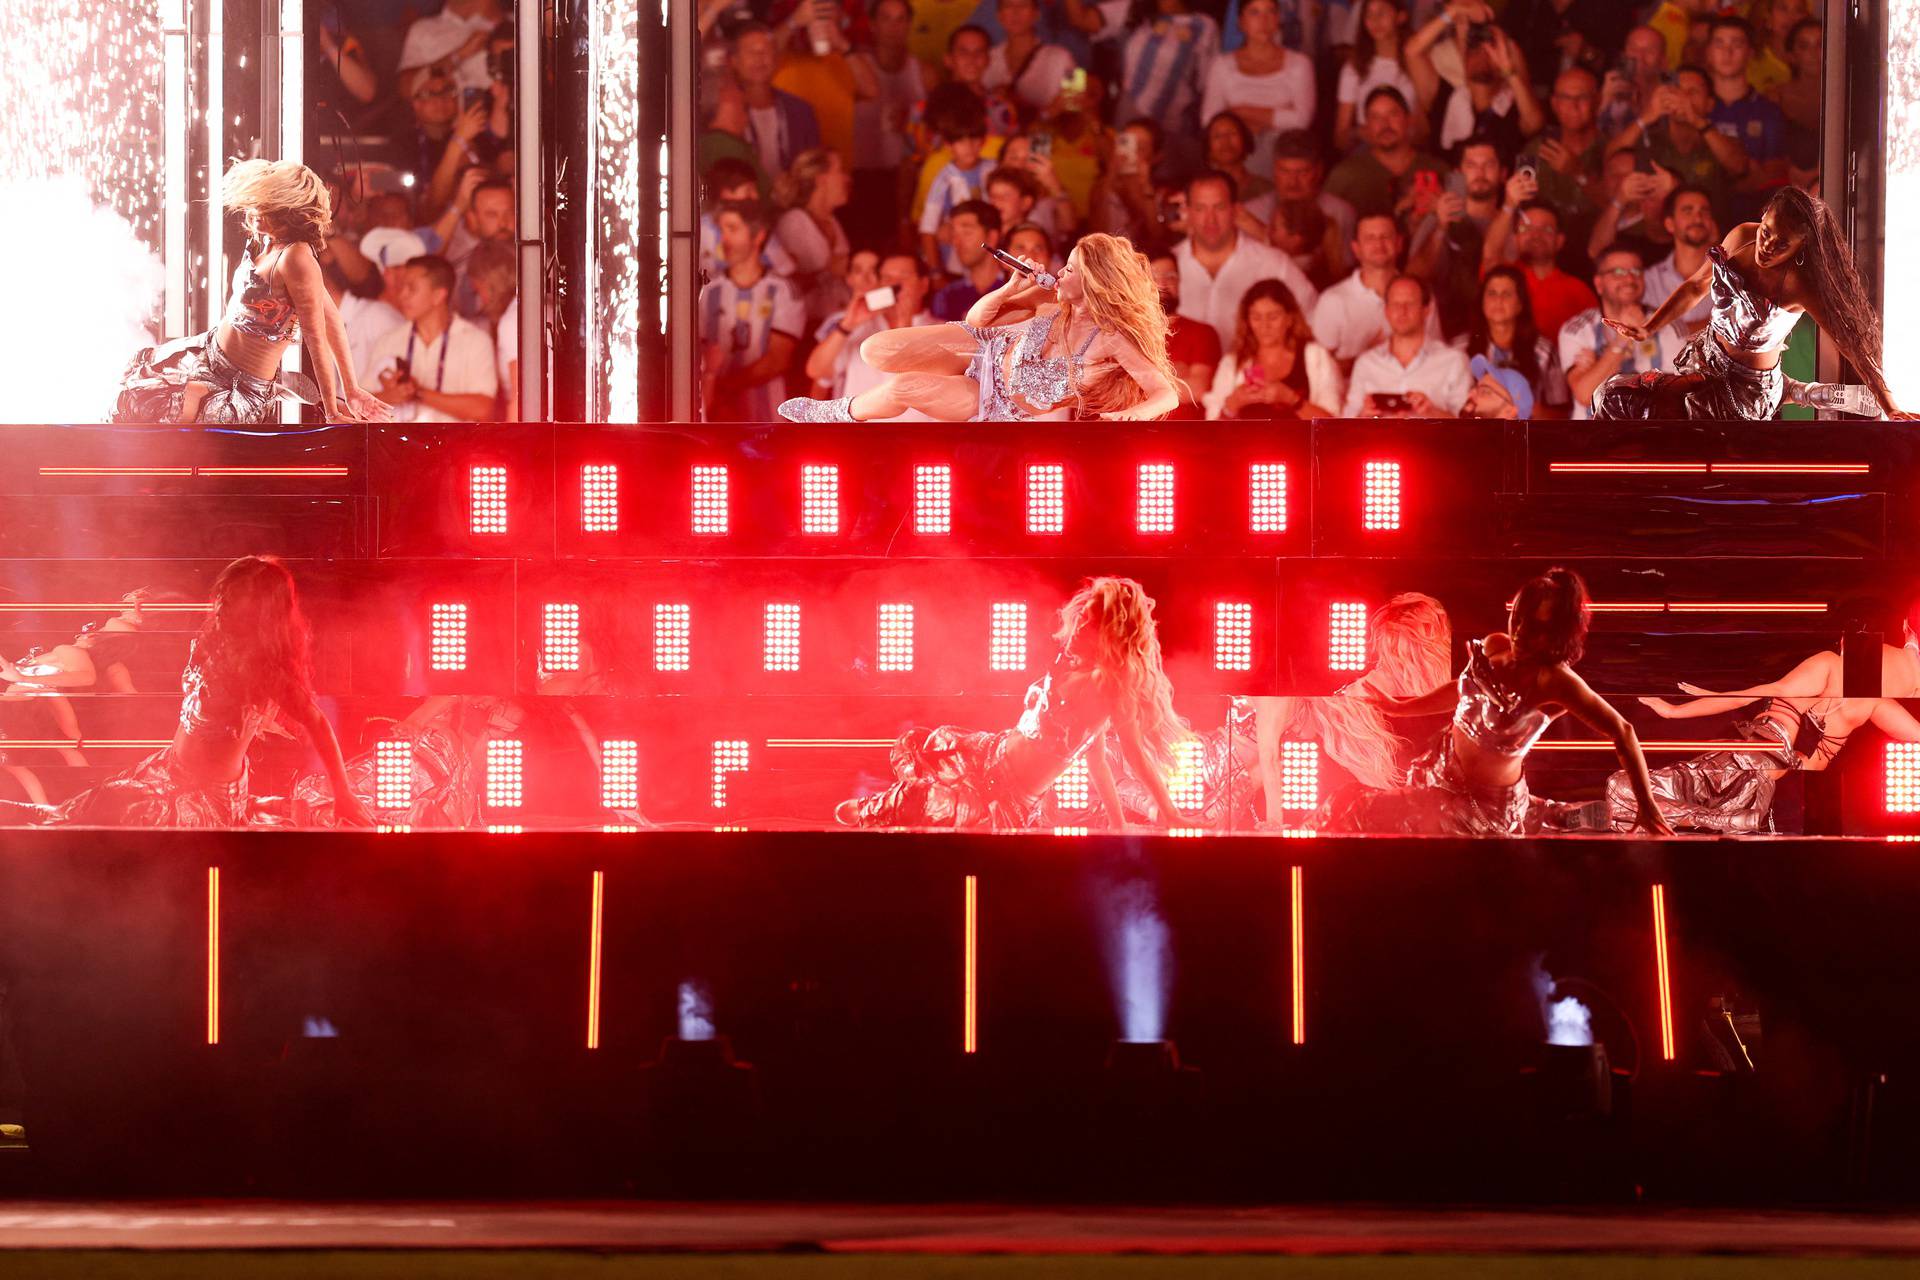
(1108, 673)
(247, 669)
(1761, 278)
(1472, 781)
(95, 658)
(1803, 725)
(232, 374)
(1094, 343)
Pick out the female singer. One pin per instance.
(1094, 341)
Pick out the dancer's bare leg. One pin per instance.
(929, 366)
(942, 397)
(933, 348)
(191, 397)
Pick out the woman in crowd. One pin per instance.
(1761, 279)
(1377, 61)
(1276, 369)
(1516, 683)
(247, 671)
(232, 373)
(1025, 65)
(1507, 338)
(1094, 343)
(1053, 211)
(1267, 85)
(1229, 143)
(1107, 674)
(808, 244)
(1800, 96)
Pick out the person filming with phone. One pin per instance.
(1412, 374)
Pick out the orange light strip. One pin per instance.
(1707, 468)
(161, 472)
(1299, 958)
(1709, 606)
(1601, 744)
(1791, 468)
(334, 471)
(970, 979)
(116, 471)
(1627, 468)
(83, 606)
(80, 744)
(213, 955)
(593, 961)
(1660, 962)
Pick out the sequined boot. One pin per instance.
(801, 409)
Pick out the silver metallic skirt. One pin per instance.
(1705, 383)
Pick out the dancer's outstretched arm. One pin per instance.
(1565, 687)
(1814, 678)
(1159, 397)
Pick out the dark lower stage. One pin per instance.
(936, 1017)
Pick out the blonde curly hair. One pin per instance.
(281, 198)
(1122, 299)
(1126, 661)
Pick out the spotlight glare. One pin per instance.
(620, 774)
(505, 766)
(447, 644)
(487, 499)
(896, 638)
(1232, 635)
(393, 774)
(1154, 513)
(560, 638)
(933, 499)
(710, 500)
(1380, 504)
(1046, 499)
(1347, 636)
(1903, 777)
(672, 637)
(600, 498)
(782, 645)
(1269, 482)
(819, 499)
(1299, 775)
(1007, 649)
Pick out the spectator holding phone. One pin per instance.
(1504, 336)
(1381, 176)
(1627, 88)
(1592, 351)
(1412, 374)
(1447, 245)
(1535, 243)
(1125, 200)
(1566, 156)
(1497, 97)
(1275, 368)
(887, 293)
(1299, 174)
(436, 367)
(1033, 154)
(452, 43)
(816, 68)
(1675, 133)
(1032, 71)
(1267, 85)
(1636, 193)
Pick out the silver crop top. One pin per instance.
(1492, 716)
(1049, 720)
(258, 307)
(1742, 318)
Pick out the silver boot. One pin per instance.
(802, 409)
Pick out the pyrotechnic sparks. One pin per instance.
(614, 178)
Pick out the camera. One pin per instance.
(1479, 34)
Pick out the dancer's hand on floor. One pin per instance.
(1135, 413)
(364, 406)
(1653, 824)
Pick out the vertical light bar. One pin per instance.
(710, 500)
(1046, 499)
(933, 500)
(1232, 635)
(487, 499)
(970, 974)
(1299, 935)
(593, 960)
(1660, 965)
(1007, 646)
(560, 637)
(216, 121)
(781, 648)
(175, 108)
(895, 651)
(1347, 636)
(293, 83)
(506, 758)
(729, 756)
(213, 955)
(600, 498)
(672, 637)
(1299, 775)
(1269, 497)
(1903, 777)
(1188, 782)
(1380, 497)
(393, 774)
(616, 218)
(1153, 511)
(447, 645)
(819, 499)
(620, 774)
(1072, 789)
(1900, 152)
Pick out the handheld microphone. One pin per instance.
(1045, 279)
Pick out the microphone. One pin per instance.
(1045, 279)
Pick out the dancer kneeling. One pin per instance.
(1760, 279)
(1094, 343)
(1516, 683)
(1108, 673)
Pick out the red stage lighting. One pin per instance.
(1347, 636)
(595, 937)
(1007, 650)
(819, 499)
(672, 637)
(213, 955)
(393, 774)
(933, 499)
(600, 498)
(710, 500)
(447, 646)
(895, 651)
(781, 651)
(620, 774)
(1380, 507)
(1046, 499)
(1269, 497)
(1903, 777)
(1299, 776)
(1154, 503)
(1073, 789)
(487, 499)
(729, 756)
(1663, 972)
(1232, 636)
(1187, 784)
(560, 638)
(506, 758)
(970, 971)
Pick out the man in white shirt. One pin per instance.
(1690, 221)
(1218, 264)
(1411, 374)
(835, 362)
(370, 319)
(1591, 352)
(435, 367)
(1351, 316)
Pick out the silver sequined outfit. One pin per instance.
(1033, 379)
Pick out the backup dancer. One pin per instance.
(1472, 781)
(1761, 279)
(232, 373)
(1108, 673)
(1093, 342)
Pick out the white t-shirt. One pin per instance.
(1215, 299)
(1288, 92)
(1349, 318)
(468, 364)
(1325, 385)
(763, 127)
(1385, 73)
(1039, 84)
(506, 340)
(432, 38)
(1438, 371)
(1662, 278)
(366, 320)
(879, 124)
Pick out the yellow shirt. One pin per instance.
(1767, 72)
(826, 85)
(1673, 23)
(933, 22)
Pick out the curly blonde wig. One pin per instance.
(1126, 660)
(279, 198)
(1122, 299)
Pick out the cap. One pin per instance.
(1513, 380)
(390, 246)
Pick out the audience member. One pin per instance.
(1627, 88)
(1634, 204)
(1381, 176)
(1448, 244)
(1275, 368)
(447, 138)
(816, 69)
(1504, 336)
(779, 125)
(1535, 242)
(1218, 264)
(1079, 144)
(370, 319)
(1014, 192)
(489, 217)
(1030, 240)
(1679, 23)
(1298, 174)
(1567, 154)
(1031, 70)
(1301, 230)
(1229, 143)
(1351, 316)
(1165, 65)
(808, 245)
(750, 321)
(973, 225)
(1269, 86)
(935, 24)
(1800, 96)
(435, 366)
(727, 179)
(1555, 36)
(1674, 133)
(1497, 392)
(1739, 112)
(882, 143)
(1591, 352)
(1378, 60)
(1125, 200)
(960, 119)
(1773, 23)
(1193, 348)
(1054, 209)
(452, 42)
(1497, 98)
(835, 365)
(723, 131)
(1412, 374)
(1690, 222)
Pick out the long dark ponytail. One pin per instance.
(1827, 267)
(1550, 617)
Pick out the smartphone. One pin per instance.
(1528, 167)
(1642, 160)
(1075, 81)
(880, 299)
(471, 98)
(1041, 143)
(1391, 402)
(403, 367)
(1457, 183)
(1426, 183)
(1126, 151)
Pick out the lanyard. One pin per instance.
(446, 340)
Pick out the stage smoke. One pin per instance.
(1139, 956)
(696, 1012)
(84, 289)
(1569, 1023)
